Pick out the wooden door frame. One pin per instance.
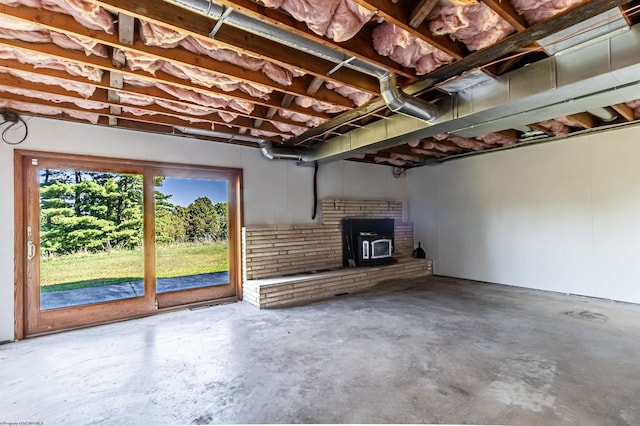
(148, 170)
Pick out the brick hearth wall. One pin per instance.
(273, 251)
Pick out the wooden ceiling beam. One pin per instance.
(512, 44)
(159, 77)
(69, 106)
(163, 130)
(429, 152)
(67, 25)
(625, 111)
(510, 134)
(102, 97)
(398, 15)
(585, 119)
(150, 92)
(359, 46)
(508, 13)
(474, 60)
(314, 86)
(421, 11)
(197, 25)
(540, 128)
(446, 143)
(400, 149)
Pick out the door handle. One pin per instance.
(31, 250)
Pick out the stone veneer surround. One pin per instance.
(276, 250)
(272, 253)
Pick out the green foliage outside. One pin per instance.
(93, 211)
(91, 230)
(84, 269)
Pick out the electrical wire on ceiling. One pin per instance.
(14, 121)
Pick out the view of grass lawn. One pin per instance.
(115, 266)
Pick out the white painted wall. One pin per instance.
(561, 216)
(275, 192)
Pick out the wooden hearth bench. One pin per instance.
(305, 288)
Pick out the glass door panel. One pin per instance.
(100, 240)
(191, 233)
(91, 237)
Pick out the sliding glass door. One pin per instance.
(191, 236)
(101, 240)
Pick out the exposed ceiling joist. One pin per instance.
(190, 22)
(625, 111)
(359, 46)
(66, 25)
(398, 15)
(420, 12)
(322, 81)
(508, 13)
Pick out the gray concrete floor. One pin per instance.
(430, 350)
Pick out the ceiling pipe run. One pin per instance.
(280, 153)
(566, 84)
(597, 75)
(396, 99)
(399, 102)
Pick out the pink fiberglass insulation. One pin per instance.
(33, 33)
(407, 50)
(392, 161)
(263, 133)
(289, 128)
(555, 127)
(358, 97)
(184, 108)
(568, 121)
(475, 25)
(135, 99)
(338, 20)
(438, 146)
(84, 90)
(50, 97)
(309, 120)
(405, 157)
(86, 13)
(241, 106)
(192, 96)
(30, 108)
(319, 106)
(156, 35)
(28, 3)
(150, 64)
(461, 142)
(496, 139)
(42, 61)
(207, 100)
(427, 152)
(635, 106)
(89, 46)
(535, 11)
(141, 113)
(227, 117)
(82, 115)
(199, 76)
(137, 81)
(138, 112)
(142, 100)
